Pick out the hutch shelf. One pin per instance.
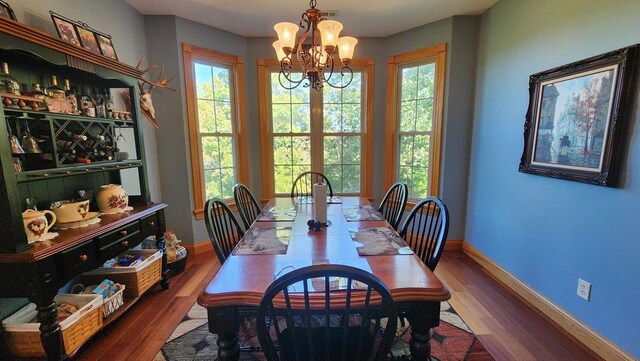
(74, 153)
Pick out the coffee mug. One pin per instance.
(36, 224)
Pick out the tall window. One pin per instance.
(414, 119)
(327, 131)
(215, 123)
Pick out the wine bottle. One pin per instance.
(79, 137)
(101, 111)
(71, 96)
(37, 92)
(7, 83)
(54, 91)
(65, 146)
(81, 160)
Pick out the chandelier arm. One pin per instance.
(345, 70)
(329, 68)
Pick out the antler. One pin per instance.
(160, 81)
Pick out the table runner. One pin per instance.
(257, 240)
(379, 241)
(278, 213)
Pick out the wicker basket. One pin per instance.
(23, 339)
(137, 279)
(109, 304)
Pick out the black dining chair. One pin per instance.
(224, 231)
(248, 206)
(393, 203)
(303, 185)
(316, 321)
(425, 230)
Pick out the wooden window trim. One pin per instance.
(266, 134)
(189, 52)
(438, 54)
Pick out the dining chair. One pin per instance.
(425, 230)
(303, 185)
(248, 206)
(223, 228)
(326, 312)
(393, 203)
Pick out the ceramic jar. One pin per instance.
(112, 198)
(70, 211)
(36, 224)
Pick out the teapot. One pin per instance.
(36, 224)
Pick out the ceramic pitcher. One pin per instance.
(36, 224)
(112, 198)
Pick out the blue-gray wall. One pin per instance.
(116, 18)
(549, 232)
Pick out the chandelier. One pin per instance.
(315, 51)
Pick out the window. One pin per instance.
(415, 92)
(216, 115)
(327, 131)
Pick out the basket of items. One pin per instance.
(80, 317)
(176, 254)
(112, 295)
(137, 270)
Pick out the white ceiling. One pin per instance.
(363, 18)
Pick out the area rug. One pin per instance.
(451, 341)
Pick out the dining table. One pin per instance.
(356, 235)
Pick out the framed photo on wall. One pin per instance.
(88, 39)
(6, 11)
(106, 46)
(577, 118)
(66, 29)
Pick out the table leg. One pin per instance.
(423, 317)
(224, 322)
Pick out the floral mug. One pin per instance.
(36, 224)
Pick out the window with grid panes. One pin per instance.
(214, 102)
(320, 131)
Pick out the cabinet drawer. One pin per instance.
(149, 225)
(78, 259)
(119, 246)
(119, 234)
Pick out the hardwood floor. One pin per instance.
(505, 325)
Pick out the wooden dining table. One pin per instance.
(236, 289)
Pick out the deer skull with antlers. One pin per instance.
(146, 90)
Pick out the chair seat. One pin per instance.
(287, 352)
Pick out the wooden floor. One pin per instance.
(504, 324)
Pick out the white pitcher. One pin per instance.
(36, 224)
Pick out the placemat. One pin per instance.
(361, 213)
(257, 240)
(309, 200)
(278, 213)
(284, 266)
(379, 241)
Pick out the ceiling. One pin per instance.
(361, 18)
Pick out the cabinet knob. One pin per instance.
(152, 224)
(83, 258)
(125, 243)
(123, 233)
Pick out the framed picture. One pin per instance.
(66, 29)
(6, 11)
(106, 46)
(577, 118)
(88, 39)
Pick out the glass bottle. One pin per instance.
(54, 91)
(87, 104)
(101, 111)
(108, 103)
(8, 84)
(71, 96)
(37, 92)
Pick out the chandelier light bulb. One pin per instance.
(286, 34)
(280, 54)
(329, 31)
(346, 46)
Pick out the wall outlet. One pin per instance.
(584, 289)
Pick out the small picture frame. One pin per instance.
(88, 39)
(106, 46)
(6, 11)
(66, 29)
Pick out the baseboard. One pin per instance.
(199, 248)
(581, 332)
(453, 245)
